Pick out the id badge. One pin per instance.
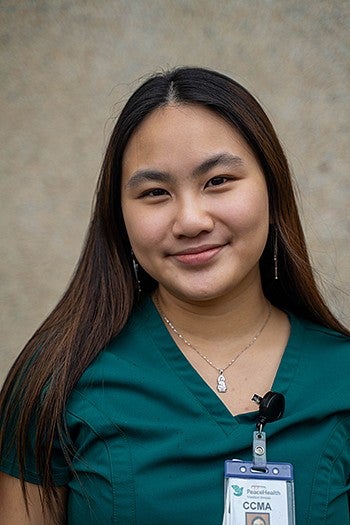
(258, 496)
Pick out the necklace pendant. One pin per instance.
(221, 383)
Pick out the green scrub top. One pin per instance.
(151, 436)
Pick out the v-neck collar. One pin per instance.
(197, 386)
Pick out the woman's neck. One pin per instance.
(225, 321)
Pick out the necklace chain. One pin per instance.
(221, 380)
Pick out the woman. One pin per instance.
(193, 292)
(258, 521)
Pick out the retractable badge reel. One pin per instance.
(258, 492)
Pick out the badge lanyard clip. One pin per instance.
(271, 408)
(259, 450)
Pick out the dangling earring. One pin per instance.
(136, 272)
(275, 252)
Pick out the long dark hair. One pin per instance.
(102, 292)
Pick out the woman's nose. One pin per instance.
(192, 218)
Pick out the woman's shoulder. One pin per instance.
(323, 352)
(320, 335)
(124, 360)
(139, 331)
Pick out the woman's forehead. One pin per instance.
(175, 132)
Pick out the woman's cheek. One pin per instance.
(145, 232)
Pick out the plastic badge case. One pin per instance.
(258, 496)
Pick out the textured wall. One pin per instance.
(67, 67)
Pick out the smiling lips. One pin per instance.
(198, 255)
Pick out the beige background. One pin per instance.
(66, 69)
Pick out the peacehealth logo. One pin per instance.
(237, 491)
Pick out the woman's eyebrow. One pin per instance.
(141, 176)
(224, 159)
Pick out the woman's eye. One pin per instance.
(217, 181)
(155, 192)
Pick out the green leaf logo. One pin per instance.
(237, 491)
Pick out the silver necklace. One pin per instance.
(221, 385)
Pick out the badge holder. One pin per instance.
(258, 492)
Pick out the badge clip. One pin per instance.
(259, 451)
(271, 408)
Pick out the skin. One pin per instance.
(258, 521)
(196, 209)
(195, 205)
(12, 506)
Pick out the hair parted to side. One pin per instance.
(101, 294)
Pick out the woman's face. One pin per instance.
(195, 203)
(258, 521)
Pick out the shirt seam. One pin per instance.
(337, 425)
(112, 472)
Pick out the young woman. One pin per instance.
(193, 292)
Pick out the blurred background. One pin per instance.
(68, 67)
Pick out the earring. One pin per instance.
(136, 272)
(275, 252)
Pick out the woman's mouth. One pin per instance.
(197, 255)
